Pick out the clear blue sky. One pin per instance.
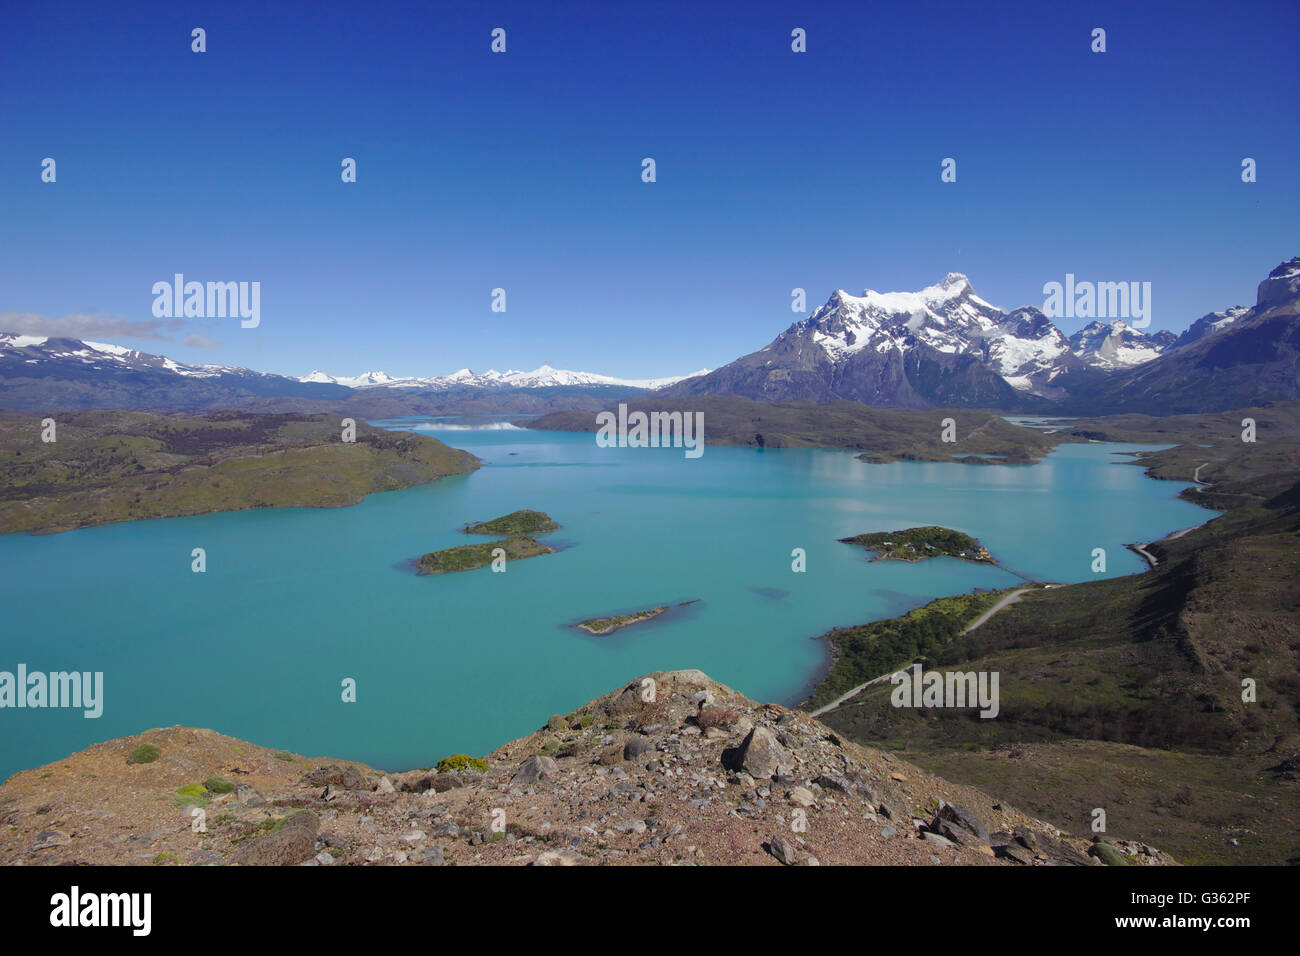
(522, 170)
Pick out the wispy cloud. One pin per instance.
(79, 326)
(196, 341)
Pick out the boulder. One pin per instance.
(292, 844)
(349, 778)
(1049, 848)
(954, 818)
(248, 796)
(636, 747)
(534, 770)
(782, 850)
(759, 755)
(833, 781)
(801, 796)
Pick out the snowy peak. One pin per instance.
(1281, 287)
(40, 350)
(1023, 347)
(1116, 344)
(358, 381)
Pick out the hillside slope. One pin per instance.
(699, 775)
(1127, 693)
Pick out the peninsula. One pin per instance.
(80, 469)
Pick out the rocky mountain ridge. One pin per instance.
(673, 768)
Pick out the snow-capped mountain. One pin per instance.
(941, 345)
(1023, 347)
(39, 349)
(543, 377)
(364, 380)
(945, 346)
(64, 373)
(1116, 344)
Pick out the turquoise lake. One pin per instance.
(296, 600)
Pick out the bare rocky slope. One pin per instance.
(701, 774)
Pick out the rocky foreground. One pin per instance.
(701, 774)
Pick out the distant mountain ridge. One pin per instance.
(543, 377)
(40, 372)
(1247, 357)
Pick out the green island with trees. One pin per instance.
(917, 544)
(514, 542)
(517, 522)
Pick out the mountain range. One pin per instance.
(941, 347)
(38, 373)
(944, 346)
(543, 377)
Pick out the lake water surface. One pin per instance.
(296, 600)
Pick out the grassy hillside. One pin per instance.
(1126, 693)
(121, 466)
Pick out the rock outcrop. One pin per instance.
(674, 768)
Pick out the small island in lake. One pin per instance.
(515, 523)
(917, 544)
(515, 528)
(467, 557)
(608, 625)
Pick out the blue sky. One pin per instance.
(522, 170)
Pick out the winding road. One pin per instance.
(1004, 601)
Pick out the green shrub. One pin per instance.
(219, 785)
(146, 753)
(461, 762)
